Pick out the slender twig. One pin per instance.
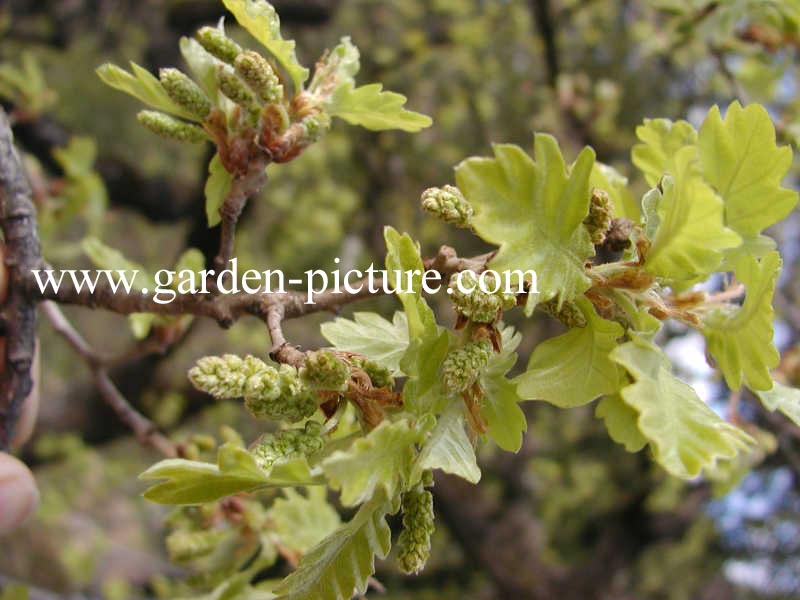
(23, 253)
(242, 188)
(144, 429)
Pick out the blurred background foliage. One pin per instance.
(571, 515)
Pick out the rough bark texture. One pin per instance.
(17, 315)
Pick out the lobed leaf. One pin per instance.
(686, 436)
(534, 211)
(371, 335)
(784, 399)
(448, 448)
(574, 368)
(141, 84)
(341, 564)
(374, 109)
(380, 460)
(740, 339)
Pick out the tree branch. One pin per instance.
(17, 315)
(144, 429)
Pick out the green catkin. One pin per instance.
(448, 204)
(288, 444)
(218, 44)
(184, 92)
(414, 542)
(601, 211)
(171, 128)
(380, 376)
(256, 71)
(478, 305)
(569, 314)
(291, 400)
(322, 370)
(237, 90)
(462, 366)
(231, 376)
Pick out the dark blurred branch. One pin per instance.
(144, 429)
(544, 23)
(23, 253)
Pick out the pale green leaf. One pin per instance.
(428, 342)
(741, 160)
(141, 323)
(621, 422)
(782, 398)
(261, 21)
(685, 435)
(193, 482)
(192, 260)
(371, 335)
(662, 139)
(375, 109)
(301, 522)
(217, 187)
(690, 236)
(574, 368)
(339, 566)
(380, 460)
(77, 158)
(338, 68)
(740, 338)
(500, 405)
(202, 65)
(448, 448)
(534, 212)
(143, 86)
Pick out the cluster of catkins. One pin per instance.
(282, 392)
(263, 113)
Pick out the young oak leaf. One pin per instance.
(740, 158)
(428, 342)
(141, 84)
(194, 482)
(686, 436)
(448, 448)
(371, 107)
(534, 211)
(261, 21)
(574, 368)
(661, 141)
(740, 339)
(784, 399)
(500, 405)
(621, 422)
(341, 564)
(689, 235)
(380, 460)
(301, 522)
(371, 335)
(217, 187)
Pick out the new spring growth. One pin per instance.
(448, 204)
(171, 128)
(218, 44)
(230, 376)
(380, 376)
(462, 366)
(256, 71)
(289, 443)
(184, 92)
(569, 314)
(324, 371)
(414, 542)
(478, 305)
(236, 89)
(601, 211)
(269, 393)
(289, 399)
